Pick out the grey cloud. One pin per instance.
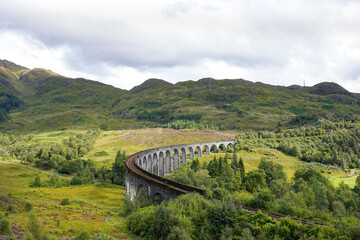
(250, 35)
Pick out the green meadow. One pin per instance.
(347, 180)
(94, 208)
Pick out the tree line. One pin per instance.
(335, 143)
(65, 158)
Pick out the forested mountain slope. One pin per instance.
(236, 103)
(50, 101)
(38, 99)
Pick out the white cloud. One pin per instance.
(125, 42)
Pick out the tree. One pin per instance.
(273, 171)
(34, 226)
(339, 209)
(357, 185)
(278, 187)
(195, 165)
(234, 163)
(37, 182)
(213, 168)
(296, 151)
(246, 235)
(264, 199)
(118, 168)
(242, 168)
(255, 180)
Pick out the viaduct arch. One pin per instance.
(145, 170)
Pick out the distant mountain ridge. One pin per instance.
(39, 99)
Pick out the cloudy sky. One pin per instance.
(123, 43)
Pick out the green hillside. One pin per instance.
(34, 100)
(48, 101)
(236, 103)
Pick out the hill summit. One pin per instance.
(326, 88)
(150, 83)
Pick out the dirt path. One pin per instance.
(353, 171)
(57, 174)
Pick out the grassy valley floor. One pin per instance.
(95, 208)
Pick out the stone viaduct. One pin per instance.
(145, 170)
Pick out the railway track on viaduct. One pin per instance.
(140, 176)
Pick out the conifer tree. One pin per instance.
(118, 168)
(242, 168)
(37, 182)
(234, 163)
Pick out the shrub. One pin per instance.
(101, 154)
(28, 207)
(75, 181)
(37, 182)
(102, 236)
(35, 227)
(65, 201)
(10, 207)
(82, 236)
(4, 226)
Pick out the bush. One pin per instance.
(102, 236)
(37, 182)
(101, 154)
(35, 227)
(82, 236)
(65, 201)
(10, 207)
(28, 207)
(75, 181)
(4, 226)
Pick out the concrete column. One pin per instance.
(168, 164)
(155, 165)
(171, 162)
(207, 149)
(132, 189)
(127, 184)
(161, 171)
(192, 154)
(150, 164)
(199, 151)
(184, 157)
(176, 159)
(144, 163)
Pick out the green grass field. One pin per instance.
(93, 208)
(252, 159)
(347, 180)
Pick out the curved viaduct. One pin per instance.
(145, 170)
